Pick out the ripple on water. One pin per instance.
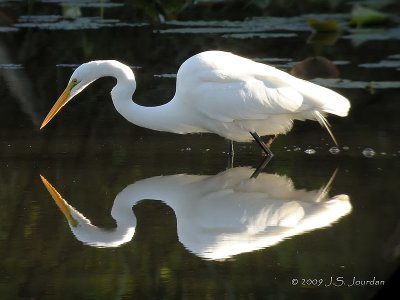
(310, 151)
(368, 152)
(334, 150)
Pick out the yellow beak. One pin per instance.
(61, 203)
(62, 100)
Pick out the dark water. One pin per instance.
(210, 232)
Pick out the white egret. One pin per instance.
(216, 92)
(217, 216)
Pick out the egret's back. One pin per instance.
(229, 89)
(229, 74)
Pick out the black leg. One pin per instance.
(261, 144)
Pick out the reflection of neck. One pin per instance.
(167, 189)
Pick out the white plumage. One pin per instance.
(216, 92)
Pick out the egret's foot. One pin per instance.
(263, 146)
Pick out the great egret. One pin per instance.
(217, 92)
(217, 216)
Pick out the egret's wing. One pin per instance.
(227, 87)
(240, 91)
(244, 100)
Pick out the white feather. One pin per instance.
(217, 92)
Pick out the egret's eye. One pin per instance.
(74, 81)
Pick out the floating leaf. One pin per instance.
(350, 84)
(71, 11)
(7, 29)
(55, 22)
(363, 16)
(251, 35)
(328, 25)
(11, 66)
(382, 64)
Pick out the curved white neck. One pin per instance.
(167, 117)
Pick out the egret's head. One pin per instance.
(79, 80)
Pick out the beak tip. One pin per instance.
(61, 101)
(44, 180)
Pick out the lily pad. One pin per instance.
(259, 25)
(350, 84)
(11, 66)
(55, 22)
(359, 36)
(328, 25)
(8, 29)
(260, 35)
(84, 3)
(382, 64)
(394, 56)
(363, 16)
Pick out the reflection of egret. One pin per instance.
(216, 92)
(321, 39)
(217, 216)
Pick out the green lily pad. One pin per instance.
(328, 25)
(363, 16)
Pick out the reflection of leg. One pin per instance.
(262, 144)
(323, 192)
(231, 154)
(261, 167)
(231, 150)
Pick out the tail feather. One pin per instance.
(323, 99)
(324, 123)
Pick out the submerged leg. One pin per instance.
(262, 144)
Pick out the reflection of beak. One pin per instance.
(61, 203)
(62, 100)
